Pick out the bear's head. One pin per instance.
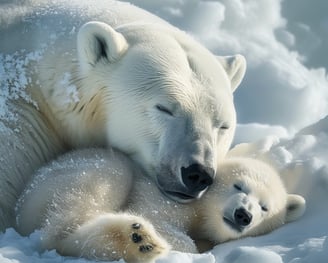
(169, 100)
(247, 198)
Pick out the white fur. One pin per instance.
(87, 202)
(93, 34)
(262, 193)
(98, 73)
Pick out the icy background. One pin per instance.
(280, 104)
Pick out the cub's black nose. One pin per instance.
(197, 177)
(243, 217)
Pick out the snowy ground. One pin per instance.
(285, 90)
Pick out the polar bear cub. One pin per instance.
(97, 204)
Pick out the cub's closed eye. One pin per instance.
(164, 109)
(264, 208)
(224, 127)
(237, 187)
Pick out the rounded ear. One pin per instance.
(235, 66)
(96, 41)
(295, 207)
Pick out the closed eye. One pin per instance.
(264, 208)
(237, 187)
(221, 125)
(225, 127)
(163, 109)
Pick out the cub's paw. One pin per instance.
(113, 236)
(135, 239)
(140, 238)
(145, 244)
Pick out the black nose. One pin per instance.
(197, 177)
(243, 217)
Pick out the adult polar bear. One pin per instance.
(129, 80)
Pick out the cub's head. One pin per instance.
(169, 102)
(247, 198)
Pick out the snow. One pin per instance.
(285, 90)
(64, 89)
(13, 67)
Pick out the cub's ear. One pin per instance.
(235, 66)
(295, 207)
(96, 41)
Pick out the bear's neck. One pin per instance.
(79, 106)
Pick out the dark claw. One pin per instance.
(145, 248)
(136, 238)
(136, 226)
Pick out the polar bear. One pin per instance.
(97, 204)
(95, 73)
